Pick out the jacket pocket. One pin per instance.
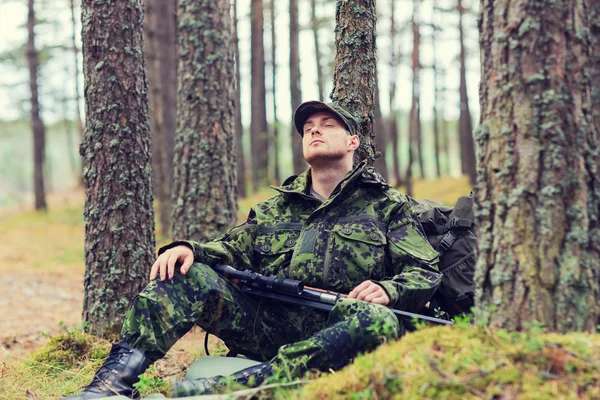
(273, 249)
(357, 253)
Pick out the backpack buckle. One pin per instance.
(447, 241)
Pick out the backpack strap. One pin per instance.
(461, 217)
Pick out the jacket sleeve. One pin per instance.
(234, 248)
(413, 262)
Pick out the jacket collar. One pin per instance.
(361, 174)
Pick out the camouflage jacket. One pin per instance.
(364, 230)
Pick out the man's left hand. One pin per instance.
(370, 292)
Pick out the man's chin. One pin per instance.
(322, 158)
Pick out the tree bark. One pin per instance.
(538, 192)
(295, 91)
(160, 165)
(434, 68)
(274, 142)
(258, 120)
(314, 24)
(204, 195)
(37, 124)
(355, 66)
(467, 145)
(239, 128)
(119, 218)
(594, 24)
(393, 123)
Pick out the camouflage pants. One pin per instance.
(297, 337)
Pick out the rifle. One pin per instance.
(294, 292)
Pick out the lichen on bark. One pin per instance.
(538, 190)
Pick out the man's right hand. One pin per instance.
(165, 263)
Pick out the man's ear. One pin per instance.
(353, 142)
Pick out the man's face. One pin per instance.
(325, 137)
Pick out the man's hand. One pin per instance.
(165, 263)
(370, 292)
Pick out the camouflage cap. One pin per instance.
(308, 108)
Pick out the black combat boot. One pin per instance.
(254, 375)
(117, 375)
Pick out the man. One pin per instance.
(335, 226)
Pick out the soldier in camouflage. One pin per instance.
(336, 226)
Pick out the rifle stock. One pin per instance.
(293, 291)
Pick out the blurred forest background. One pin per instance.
(427, 64)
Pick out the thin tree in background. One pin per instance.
(314, 25)
(239, 128)
(295, 90)
(258, 119)
(415, 112)
(381, 137)
(355, 68)
(160, 164)
(444, 142)
(37, 124)
(274, 141)
(166, 39)
(436, 94)
(204, 191)
(465, 125)
(538, 192)
(594, 24)
(119, 218)
(393, 123)
(75, 49)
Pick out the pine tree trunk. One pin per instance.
(444, 139)
(434, 68)
(393, 123)
(160, 169)
(467, 145)
(380, 136)
(258, 119)
(538, 192)
(80, 127)
(119, 218)
(239, 128)
(314, 24)
(415, 113)
(204, 195)
(594, 23)
(355, 66)
(295, 90)
(39, 130)
(274, 143)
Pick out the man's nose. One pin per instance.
(315, 131)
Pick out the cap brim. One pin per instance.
(309, 108)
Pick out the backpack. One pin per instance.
(451, 231)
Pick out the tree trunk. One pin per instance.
(444, 139)
(239, 128)
(594, 23)
(258, 120)
(39, 130)
(80, 127)
(393, 123)
(296, 93)
(274, 143)
(467, 145)
(204, 196)
(314, 24)
(119, 218)
(166, 35)
(434, 67)
(355, 66)
(160, 165)
(415, 112)
(538, 192)
(380, 136)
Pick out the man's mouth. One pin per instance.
(316, 141)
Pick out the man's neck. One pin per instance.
(326, 178)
